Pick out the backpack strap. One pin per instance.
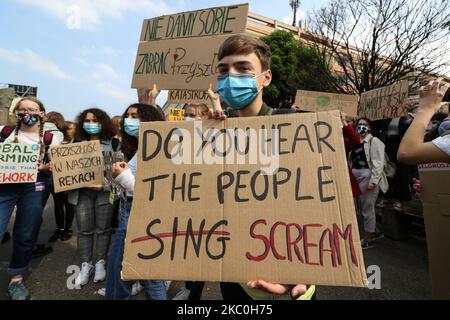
(6, 132)
(47, 139)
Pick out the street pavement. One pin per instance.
(403, 265)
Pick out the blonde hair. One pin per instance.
(201, 109)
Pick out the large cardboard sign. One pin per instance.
(188, 96)
(178, 64)
(18, 162)
(180, 51)
(77, 165)
(324, 101)
(386, 102)
(200, 23)
(209, 206)
(435, 179)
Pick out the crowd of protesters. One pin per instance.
(101, 212)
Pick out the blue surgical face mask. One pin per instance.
(238, 90)
(92, 129)
(131, 127)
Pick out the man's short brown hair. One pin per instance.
(244, 44)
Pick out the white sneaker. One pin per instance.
(183, 294)
(137, 287)
(102, 292)
(100, 271)
(86, 271)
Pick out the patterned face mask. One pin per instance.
(29, 119)
(362, 130)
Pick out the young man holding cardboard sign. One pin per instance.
(244, 66)
(244, 212)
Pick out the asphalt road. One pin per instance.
(403, 265)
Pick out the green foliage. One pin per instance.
(295, 66)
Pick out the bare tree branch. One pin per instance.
(379, 42)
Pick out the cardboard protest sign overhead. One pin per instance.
(199, 23)
(203, 209)
(386, 102)
(77, 165)
(180, 51)
(435, 180)
(18, 162)
(324, 101)
(188, 96)
(178, 64)
(176, 114)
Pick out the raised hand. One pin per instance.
(153, 94)
(118, 168)
(217, 112)
(432, 94)
(343, 118)
(278, 289)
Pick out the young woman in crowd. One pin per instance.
(70, 129)
(55, 125)
(93, 210)
(367, 161)
(196, 111)
(351, 141)
(117, 120)
(26, 197)
(124, 173)
(64, 211)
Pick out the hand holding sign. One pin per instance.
(43, 167)
(279, 289)
(153, 94)
(95, 187)
(417, 186)
(118, 168)
(344, 119)
(217, 107)
(431, 95)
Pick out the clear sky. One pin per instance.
(77, 66)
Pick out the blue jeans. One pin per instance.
(116, 288)
(28, 199)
